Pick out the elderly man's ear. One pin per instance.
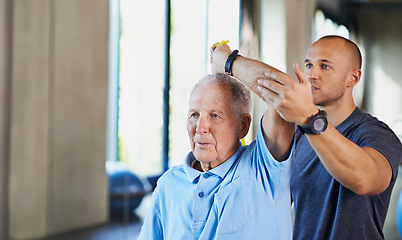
(245, 125)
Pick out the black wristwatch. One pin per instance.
(229, 62)
(317, 124)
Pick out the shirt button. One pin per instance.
(201, 194)
(206, 175)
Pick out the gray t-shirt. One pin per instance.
(324, 209)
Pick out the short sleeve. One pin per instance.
(273, 175)
(152, 229)
(379, 136)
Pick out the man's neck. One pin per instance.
(202, 167)
(339, 112)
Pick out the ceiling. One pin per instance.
(342, 11)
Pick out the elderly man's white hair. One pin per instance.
(241, 98)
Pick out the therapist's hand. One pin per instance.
(292, 99)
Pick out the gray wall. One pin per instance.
(5, 75)
(53, 92)
(57, 130)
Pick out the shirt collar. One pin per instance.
(220, 170)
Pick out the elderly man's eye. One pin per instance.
(214, 115)
(194, 115)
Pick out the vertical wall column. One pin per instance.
(250, 47)
(29, 160)
(5, 81)
(299, 31)
(285, 35)
(79, 189)
(286, 32)
(57, 179)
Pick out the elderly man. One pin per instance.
(224, 190)
(345, 161)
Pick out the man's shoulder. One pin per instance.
(365, 123)
(361, 122)
(360, 117)
(172, 172)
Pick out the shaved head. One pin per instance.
(352, 51)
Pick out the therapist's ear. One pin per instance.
(354, 78)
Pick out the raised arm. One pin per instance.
(361, 169)
(278, 133)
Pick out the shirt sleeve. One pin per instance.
(269, 171)
(379, 136)
(152, 228)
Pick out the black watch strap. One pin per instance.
(317, 124)
(229, 62)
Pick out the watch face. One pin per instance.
(319, 125)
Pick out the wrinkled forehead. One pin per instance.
(210, 86)
(211, 92)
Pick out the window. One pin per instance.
(141, 84)
(195, 26)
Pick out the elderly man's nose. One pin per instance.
(202, 125)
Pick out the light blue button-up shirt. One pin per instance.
(247, 197)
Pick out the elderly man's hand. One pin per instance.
(292, 100)
(219, 55)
